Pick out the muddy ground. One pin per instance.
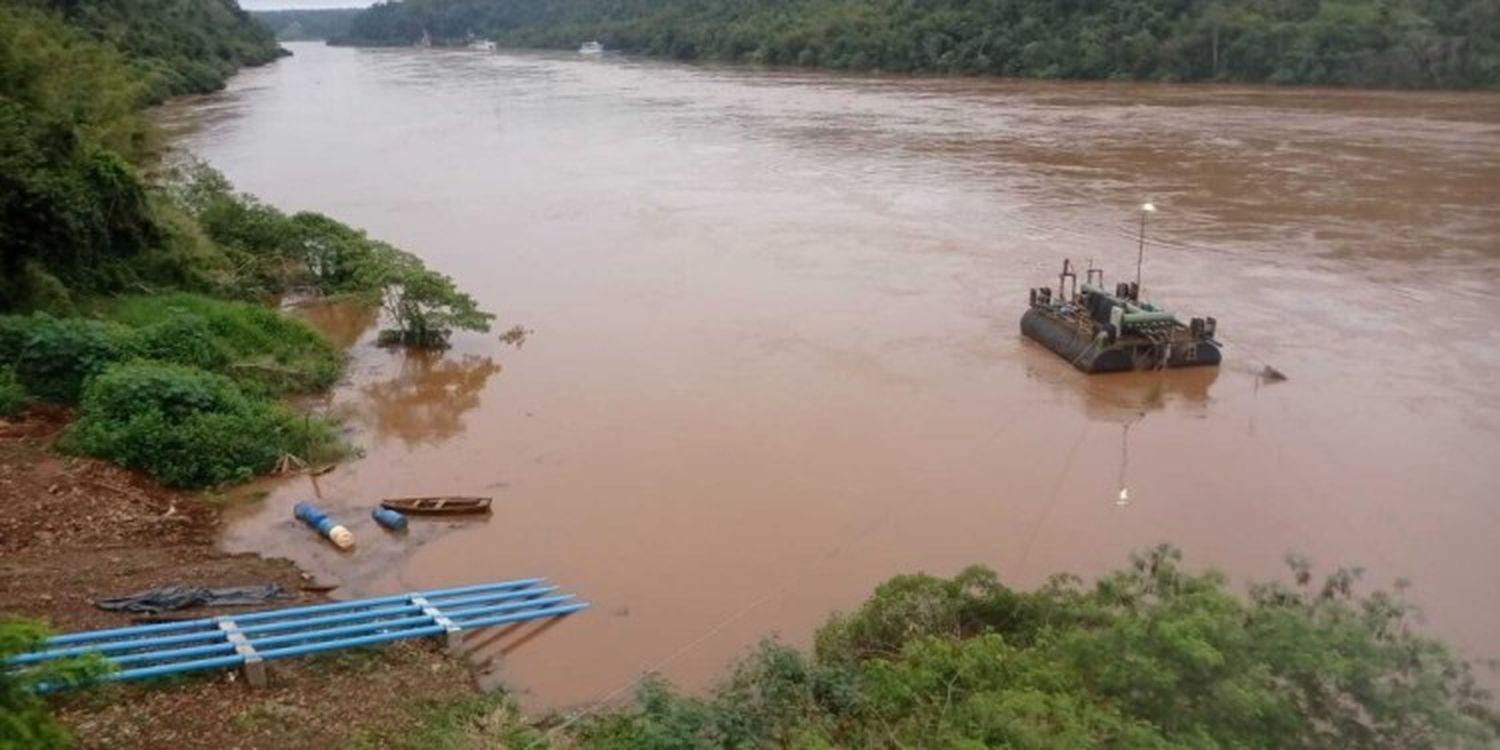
(73, 529)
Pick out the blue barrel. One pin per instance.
(388, 518)
(309, 514)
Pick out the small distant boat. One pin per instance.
(591, 48)
(437, 506)
(483, 45)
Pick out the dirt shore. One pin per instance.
(73, 529)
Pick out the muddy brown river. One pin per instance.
(775, 355)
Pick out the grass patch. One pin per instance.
(260, 347)
(484, 721)
(357, 660)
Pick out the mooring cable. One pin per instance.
(1057, 483)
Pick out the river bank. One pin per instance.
(76, 529)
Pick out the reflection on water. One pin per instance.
(1125, 396)
(427, 398)
(781, 359)
(343, 322)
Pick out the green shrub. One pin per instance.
(185, 340)
(1151, 655)
(261, 347)
(57, 355)
(45, 292)
(12, 395)
(24, 721)
(13, 332)
(189, 428)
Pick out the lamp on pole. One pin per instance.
(1146, 208)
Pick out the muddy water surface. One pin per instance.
(775, 356)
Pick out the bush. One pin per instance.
(189, 428)
(12, 395)
(55, 356)
(186, 339)
(24, 722)
(275, 253)
(1149, 656)
(260, 347)
(14, 329)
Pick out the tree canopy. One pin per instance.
(309, 24)
(1385, 43)
(178, 46)
(1150, 656)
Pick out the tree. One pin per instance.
(1420, 44)
(423, 305)
(1150, 656)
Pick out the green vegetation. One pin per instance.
(261, 348)
(53, 357)
(24, 721)
(190, 428)
(180, 386)
(1152, 656)
(275, 253)
(426, 307)
(306, 25)
(175, 46)
(13, 397)
(1387, 43)
(143, 300)
(470, 722)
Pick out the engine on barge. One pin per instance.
(1100, 331)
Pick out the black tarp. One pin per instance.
(166, 598)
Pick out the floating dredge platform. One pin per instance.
(1102, 332)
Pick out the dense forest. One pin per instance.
(175, 46)
(1386, 43)
(304, 25)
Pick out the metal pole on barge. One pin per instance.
(1140, 256)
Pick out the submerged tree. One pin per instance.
(423, 305)
(275, 253)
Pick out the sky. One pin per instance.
(302, 4)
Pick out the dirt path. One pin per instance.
(73, 529)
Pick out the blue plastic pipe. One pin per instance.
(309, 648)
(326, 645)
(175, 653)
(432, 595)
(36, 656)
(260, 641)
(216, 633)
(388, 611)
(484, 622)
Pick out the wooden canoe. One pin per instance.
(438, 506)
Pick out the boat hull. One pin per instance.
(437, 506)
(1079, 348)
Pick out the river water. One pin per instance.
(775, 359)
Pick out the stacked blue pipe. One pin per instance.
(168, 648)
